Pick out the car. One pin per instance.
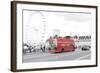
(85, 47)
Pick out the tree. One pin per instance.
(55, 36)
(67, 36)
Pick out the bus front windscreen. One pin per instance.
(52, 45)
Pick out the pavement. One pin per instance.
(46, 56)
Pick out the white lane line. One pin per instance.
(82, 57)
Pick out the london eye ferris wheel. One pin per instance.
(34, 27)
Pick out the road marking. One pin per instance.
(82, 57)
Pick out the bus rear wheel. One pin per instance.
(73, 49)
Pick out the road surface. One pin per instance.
(43, 57)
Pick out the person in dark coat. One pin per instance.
(42, 48)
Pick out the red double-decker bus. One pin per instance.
(61, 44)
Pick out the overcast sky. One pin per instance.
(40, 25)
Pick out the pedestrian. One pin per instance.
(41, 48)
(44, 48)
